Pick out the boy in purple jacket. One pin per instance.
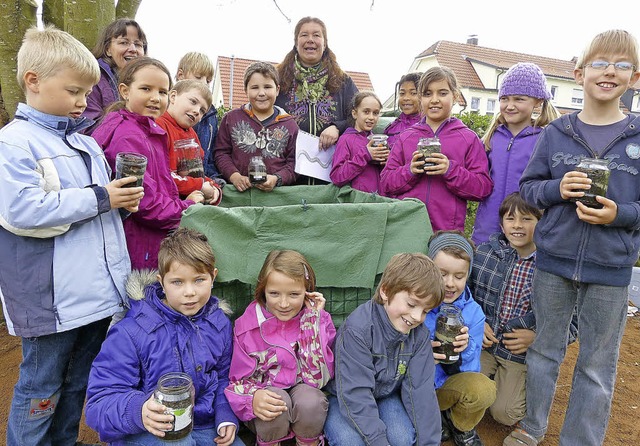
(174, 325)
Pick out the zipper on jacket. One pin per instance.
(510, 144)
(57, 316)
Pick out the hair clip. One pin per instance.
(306, 271)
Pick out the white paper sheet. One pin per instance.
(310, 160)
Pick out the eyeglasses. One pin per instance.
(125, 43)
(602, 65)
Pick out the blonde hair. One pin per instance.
(186, 247)
(547, 114)
(290, 263)
(613, 41)
(196, 63)
(414, 273)
(47, 51)
(186, 85)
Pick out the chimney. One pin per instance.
(473, 39)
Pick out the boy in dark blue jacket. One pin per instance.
(584, 255)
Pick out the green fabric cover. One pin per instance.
(348, 236)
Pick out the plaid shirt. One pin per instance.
(500, 279)
(517, 294)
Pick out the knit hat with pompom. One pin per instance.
(524, 79)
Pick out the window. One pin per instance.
(491, 106)
(576, 96)
(475, 104)
(554, 90)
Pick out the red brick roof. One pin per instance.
(458, 56)
(223, 68)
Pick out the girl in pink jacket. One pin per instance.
(282, 355)
(358, 158)
(130, 126)
(443, 181)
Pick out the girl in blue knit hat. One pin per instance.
(525, 108)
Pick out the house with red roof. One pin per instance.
(479, 71)
(228, 81)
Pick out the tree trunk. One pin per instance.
(83, 19)
(17, 16)
(127, 8)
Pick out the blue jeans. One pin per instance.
(602, 316)
(200, 437)
(49, 395)
(339, 431)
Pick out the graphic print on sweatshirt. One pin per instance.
(270, 141)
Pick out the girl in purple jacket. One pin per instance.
(511, 138)
(444, 181)
(358, 158)
(130, 126)
(282, 355)
(409, 105)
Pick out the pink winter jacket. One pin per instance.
(444, 195)
(161, 208)
(269, 352)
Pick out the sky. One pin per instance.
(379, 37)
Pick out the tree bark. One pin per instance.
(83, 19)
(16, 16)
(127, 8)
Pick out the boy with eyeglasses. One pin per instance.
(584, 255)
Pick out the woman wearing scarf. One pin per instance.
(314, 89)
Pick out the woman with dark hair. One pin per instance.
(121, 41)
(314, 89)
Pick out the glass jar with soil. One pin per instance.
(427, 147)
(188, 158)
(175, 391)
(379, 141)
(257, 170)
(449, 322)
(130, 164)
(598, 172)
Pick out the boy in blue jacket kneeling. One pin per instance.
(175, 326)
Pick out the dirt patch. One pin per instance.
(624, 424)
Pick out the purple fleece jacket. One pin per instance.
(104, 93)
(508, 157)
(161, 208)
(352, 162)
(444, 195)
(399, 125)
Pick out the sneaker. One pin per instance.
(468, 438)
(446, 428)
(460, 438)
(520, 437)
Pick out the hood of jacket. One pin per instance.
(139, 286)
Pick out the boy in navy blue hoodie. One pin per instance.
(585, 255)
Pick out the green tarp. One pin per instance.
(348, 236)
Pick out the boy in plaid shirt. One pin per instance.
(501, 281)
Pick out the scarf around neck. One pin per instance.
(311, 82)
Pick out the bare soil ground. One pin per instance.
(624, 424)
